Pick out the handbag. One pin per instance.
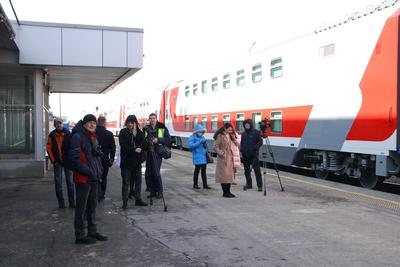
(209, 158)
(163, 151)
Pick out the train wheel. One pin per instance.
(370, 180)
(321, 174)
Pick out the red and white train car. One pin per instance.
(331, 97)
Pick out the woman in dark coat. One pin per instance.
(131, 141)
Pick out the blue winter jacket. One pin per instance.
(198, 146)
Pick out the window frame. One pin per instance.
(240, 76)
(239, 127)
(204, 86)
(272, 119)
(204, 120)
(214, 84)
(276, 66)
(214, 119)
(226, 81)
(256, 123)
(255, 72)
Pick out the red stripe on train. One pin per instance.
(294, 119)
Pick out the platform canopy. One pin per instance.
(79, 58)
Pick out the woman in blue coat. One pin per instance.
(198, 146)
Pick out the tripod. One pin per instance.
(267, 146)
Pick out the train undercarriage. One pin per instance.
(371, 170)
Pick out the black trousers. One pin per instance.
(255, 162)
(132, 181)
(103, 184)
(197, 168)
(86, 202)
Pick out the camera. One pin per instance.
(264, 124)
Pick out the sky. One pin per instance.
(183, 37)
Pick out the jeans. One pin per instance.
(132, 180)
(86, 202)
(58, 169)
(255, 162)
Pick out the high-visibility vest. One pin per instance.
(160, 133)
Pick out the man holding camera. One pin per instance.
(250, 144)
(85, 160)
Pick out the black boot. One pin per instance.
(224, 190)
(125, 204)
(228, 190)
(205, 186)
(140, 202)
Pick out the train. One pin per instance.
(330, 96)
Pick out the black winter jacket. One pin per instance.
(250, 141)
(107, 144)
(128, 143)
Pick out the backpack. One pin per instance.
(65, 151)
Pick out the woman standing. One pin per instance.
(131, 141)
(224, 170)
(198, 146)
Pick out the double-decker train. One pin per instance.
(331, 97)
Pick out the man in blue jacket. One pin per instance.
(249, 147)
(85, 160)
(107, 144)
(198, 146)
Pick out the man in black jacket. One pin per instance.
(249, 147)
(107, 146)
(156, 135)
(84, 157)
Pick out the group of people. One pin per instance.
(88, 152)
(227, 146)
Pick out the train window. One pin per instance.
(257, 73)
(240, 78)
(187, 123)
(204, 121)
(195, 121)
(239, 122)
(276, 68)
(226, 118)
(214, 84)
(187, 91)
(204, 87)
(195, 89)
(327, 50)
(214, 123)
(276, 122)
(256, 119)
(227, 81)
(166, 114)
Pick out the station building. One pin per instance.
(37, 59)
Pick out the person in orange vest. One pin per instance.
(54, 145)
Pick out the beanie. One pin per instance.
(89, 117)
(57, 120)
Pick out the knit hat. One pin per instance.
(89, 117)
(56, 121)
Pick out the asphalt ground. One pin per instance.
(312, 223)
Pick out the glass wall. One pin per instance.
(16, 114)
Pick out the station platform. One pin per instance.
(311, 223)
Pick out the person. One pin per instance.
(250, 145)
(107, 145)
(198, 146)
(54, 151)
(235, 147)
(156, 134)
(85, 160)
(131, 141)
(224, 169)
